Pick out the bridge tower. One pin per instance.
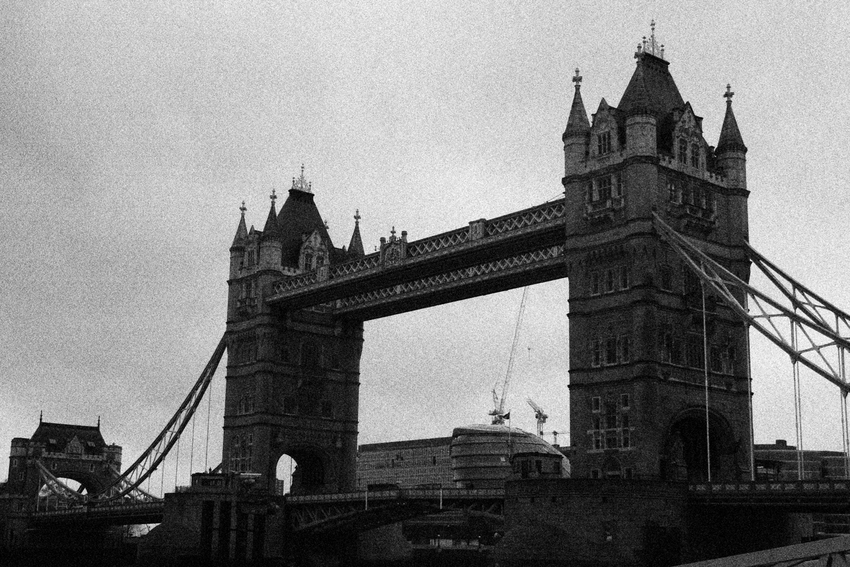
(76, 452)
(292, 376)
(637, 358)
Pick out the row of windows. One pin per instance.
(625, 473)
(290, 406)
(682, 153)
(241, 452)
(610, 424)
(604, 188)
(610, 350)
(691, 352)
(690, 281)
(610, 280)
(686, 194)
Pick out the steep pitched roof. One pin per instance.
(57, 436)
(730, 135)
(651, 88)
(298, 215)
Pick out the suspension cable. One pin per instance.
(176, 465)
(705, 368)
(192, 446)
(207, 440)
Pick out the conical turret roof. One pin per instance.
(241, 230)
(270, 230)
(730, 135)
(577, 123)
(355, 247)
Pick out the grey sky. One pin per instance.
(130, 133)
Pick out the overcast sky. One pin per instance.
(130, 133)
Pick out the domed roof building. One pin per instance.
(481, 454)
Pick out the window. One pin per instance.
(246, 404)
(250, 257)
(595, 403)
(595, 353)
(695, 352)
(624, 277)
(626, 438)
(675, 195)
(309, 355)
(666, 278)
(624, 421)
(683, 151)
(665, 343)
(308, 261)
(627, 472)
(625, 348)
(610, 350)
(695, 156)
(715, 359)
(594, 283)
(609, 281)
(604, 186)
(603, 142)
(611, 440)
(624, 401)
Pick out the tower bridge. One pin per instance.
(652, 235)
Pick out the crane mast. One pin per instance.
(539, 414)
(498, 413)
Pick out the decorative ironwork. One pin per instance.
(451, 278)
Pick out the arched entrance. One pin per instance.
(299, 472)
(685, 456)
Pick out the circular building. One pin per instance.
(481, 454)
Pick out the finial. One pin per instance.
(243, 208)
(357, 217)
(98, 422)
(577, 79)
(40, 416)
(392, 232)
(273, 197)
(301, 183)
(728, 94)
(325, 222)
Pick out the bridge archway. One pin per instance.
(685, 457)
(301, 471)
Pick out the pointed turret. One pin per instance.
(577, 123)
(730, 135)
(237, 249)
(270, 246)
(298, 217)
(241, 230)
(731, 153)
(576, 137)
(271, 230)
(355, 247)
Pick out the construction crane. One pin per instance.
(498, 413)
(539, 414)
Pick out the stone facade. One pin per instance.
(637, 357)
(292, 377)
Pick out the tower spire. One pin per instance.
(730, 135)
(356, 245)
(271, 229)
(241, 230)
(577, 123)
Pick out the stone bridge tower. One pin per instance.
(637, 357)
(76, 452)
(292, 377)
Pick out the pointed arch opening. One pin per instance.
(299, 472)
